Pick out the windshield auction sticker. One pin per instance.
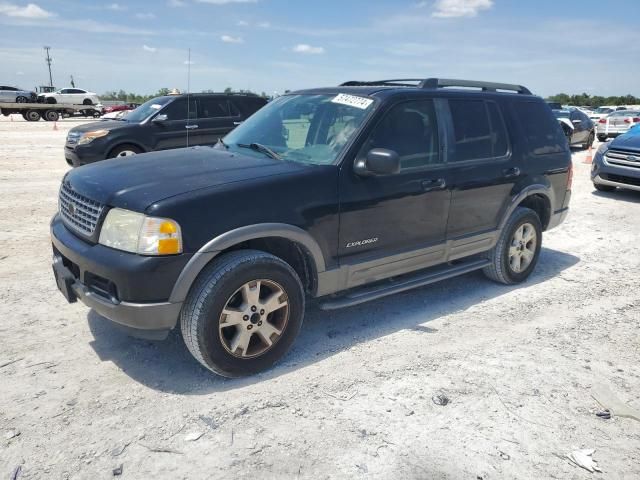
(352, 101)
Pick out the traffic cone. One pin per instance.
(55, 125)
(589, 157)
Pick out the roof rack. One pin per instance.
(442, 83)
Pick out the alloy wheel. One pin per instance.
(522, 250)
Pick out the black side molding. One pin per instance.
(408, 282)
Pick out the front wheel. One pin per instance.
(51, 100)
(124, 151)
(516, 254)
(87, 101)
(22, 99)
(243, 313)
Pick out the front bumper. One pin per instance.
(128, 289)
(605, 173)
(77, 156)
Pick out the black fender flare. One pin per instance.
(536, 189)
(242, 234)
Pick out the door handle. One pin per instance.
(237, 123)
(511, 172)
(191, 127)
(431, 185)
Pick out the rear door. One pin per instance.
(580, 128)
(179, 128)
(483, 169)
(216, 117)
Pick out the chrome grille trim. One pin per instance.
(79, 212)
(619, 158)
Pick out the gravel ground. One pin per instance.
(354, 398)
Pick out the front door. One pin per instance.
(178, 130)
(396, 223)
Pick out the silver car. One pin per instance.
(16, 95)
(617, 123)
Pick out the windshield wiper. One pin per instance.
(258, 147)
(221, 142)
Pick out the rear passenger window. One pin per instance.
(540, 127)
(213, 108)
(471, 129)
(498, 131)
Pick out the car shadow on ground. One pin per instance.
(167, 366)
(630, 196)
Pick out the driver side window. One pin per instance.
(410, 129)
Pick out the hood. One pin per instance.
(629, 141)
(102, 125)
(137, 182)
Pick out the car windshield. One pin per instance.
(624, 113)
(302, 128)
(562, 113)
(603, 110)
(147, 109)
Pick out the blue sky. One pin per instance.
(272, 45)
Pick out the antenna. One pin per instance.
(73, 84)
(188, 94)
(48, 60)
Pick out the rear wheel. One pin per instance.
(590, 140)
(51, 115)
(124, 151)
(604, 188)
(87, 101)
(602, 138)
(243, 313)
(22, 99)
(516, 254)
(32, 115)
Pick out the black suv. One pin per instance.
(172, 121)
(346, 194)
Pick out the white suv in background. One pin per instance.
(74, 96)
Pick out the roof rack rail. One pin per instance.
(485, 86)
(440, 83)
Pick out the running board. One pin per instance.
(366, 294)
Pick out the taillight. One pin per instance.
(570, 176)
(627, 120)
(636, 119)
(602, 120)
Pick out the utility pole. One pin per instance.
(48, 59)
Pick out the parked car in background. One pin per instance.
(617, 123)
(75, 96)
(577, 126)
(601, 112)
(16, 95)
(120, 108)
(616, 164)
(115, 115)
(162, 123)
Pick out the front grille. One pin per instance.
(622, 158)
(79, 212)
(623, 179)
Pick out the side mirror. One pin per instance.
(160, 118)
(379, 161)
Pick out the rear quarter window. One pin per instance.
(540, 127)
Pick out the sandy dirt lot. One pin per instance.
(353, 399)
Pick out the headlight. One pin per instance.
(91, 136)
(136, 233)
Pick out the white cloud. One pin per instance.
(304, 48)
(242, 23)
(230, 39)
(176, 3)
(30, 11)
(116, 7)
(225, 2)
(460, 8)
(264, 25)
(145, 16)
(147, 48)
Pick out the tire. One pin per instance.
(24, 115)
(32, 115)
(87, 101)
(602, 138)
(501, 269)
(590, 140)
(222, 283)
(604, 188)
(51, 100)
(51, 116)
(22, 99)
(124, 151)
(96, 114)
